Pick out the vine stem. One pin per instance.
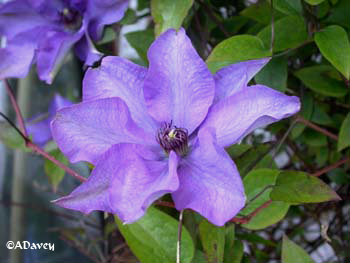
(16, 108)
(29, 144)
(331, 167)
(317, 128)
(179, 234)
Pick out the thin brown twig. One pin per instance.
(16, 108)
(246, 219)
(40, 151)
(331, 167)
(241, 220)
(317, 128)
(214, 18)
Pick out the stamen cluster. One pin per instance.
(172, 138)
(71, 18)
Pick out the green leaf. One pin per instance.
(236, 150)
(339, 176)
(274, 74)
(314, 2)
(169, 13)
(235, 49)
(292, 253)
(320, 116)
(55, 173)
(10, 137)
(237, 252)
(130, 17)
(318, 79)
(141, 41)
(314, 138)
(344, 134)
(257, 157)
(213, 241)
(298, 187)
(153, 238)
(290, 32)
(340, 14)
(334, 44)
(260, 12)
(288, 7)
(254, 183)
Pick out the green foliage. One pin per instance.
(55, 173)
(334, 44)
(153, 238)
(274, 74)
(321, 80)
(289, 7)
(258, 184)
(140, 41)
(169, 13)
(213, 241)
(297, 187)
(314, 2)
(235, 49)
(11, 138)
(292, 253)
(344, 134)
(290, 32)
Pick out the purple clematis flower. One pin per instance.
(39, 126)
(42, 31)
(163, 130)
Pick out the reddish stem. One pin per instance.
(317, 128)
(40, 151)
(246, 219)
(241, 220)
(29, 143)
(331, 167)
(16, 108)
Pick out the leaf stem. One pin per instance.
(317, 128)
(179, 234)
(16, 108)
(331, 167)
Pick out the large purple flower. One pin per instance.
(163, 130)
(43, 31)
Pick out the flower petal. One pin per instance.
(118, 77)
(21, 17)
(86, 130)
(39, 126)
(104, 12)
(125, 181)
(86, 51)
(58, 103)
(248, 109)
(39, 130)
(209, 182)
(178, 85)
(52, 50)
(138, 182)
(17, 57)
(233, 78)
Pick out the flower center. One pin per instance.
(71, 19)
(172, 138)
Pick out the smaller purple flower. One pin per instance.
(42, 32)
(38, 127)
(163, 130)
